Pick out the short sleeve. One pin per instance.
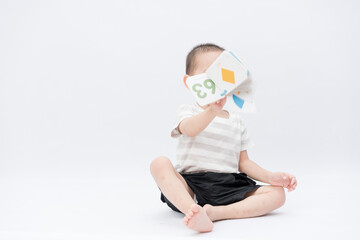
(184, 111)
(246, 141)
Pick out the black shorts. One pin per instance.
(217, 188)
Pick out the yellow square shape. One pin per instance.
(228, 75)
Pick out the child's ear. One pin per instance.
(185, 78)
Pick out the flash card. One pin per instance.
(242, 97)
(227, 71)
(227, 76)
(204, 89)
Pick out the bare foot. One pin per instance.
(209, 211)
(197, 219)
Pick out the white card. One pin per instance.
(204, 89)
(237, 105)
(226, 76)
(242, 97)
(227, 71)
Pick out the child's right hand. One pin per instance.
(217, 106)
(192, 126)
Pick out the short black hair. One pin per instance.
(201, 48)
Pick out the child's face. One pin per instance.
(204, 60)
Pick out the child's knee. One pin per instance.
(159, 164)
(279, 196)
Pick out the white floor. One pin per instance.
(325, 206)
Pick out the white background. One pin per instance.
(89, 91)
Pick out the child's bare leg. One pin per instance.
(264, 200)
(172, 184)
(176, 190)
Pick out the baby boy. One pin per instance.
(213, 176)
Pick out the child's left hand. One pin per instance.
(282, 179)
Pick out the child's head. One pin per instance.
(200, 58)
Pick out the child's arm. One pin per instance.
(252, 169)
(258, 173)
(192, 126)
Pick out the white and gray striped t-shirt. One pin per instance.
(216, 149)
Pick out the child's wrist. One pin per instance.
(269, 177)
(211, 111)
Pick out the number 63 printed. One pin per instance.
(204, 89)
(198, 88)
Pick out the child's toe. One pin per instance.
(190, 213)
